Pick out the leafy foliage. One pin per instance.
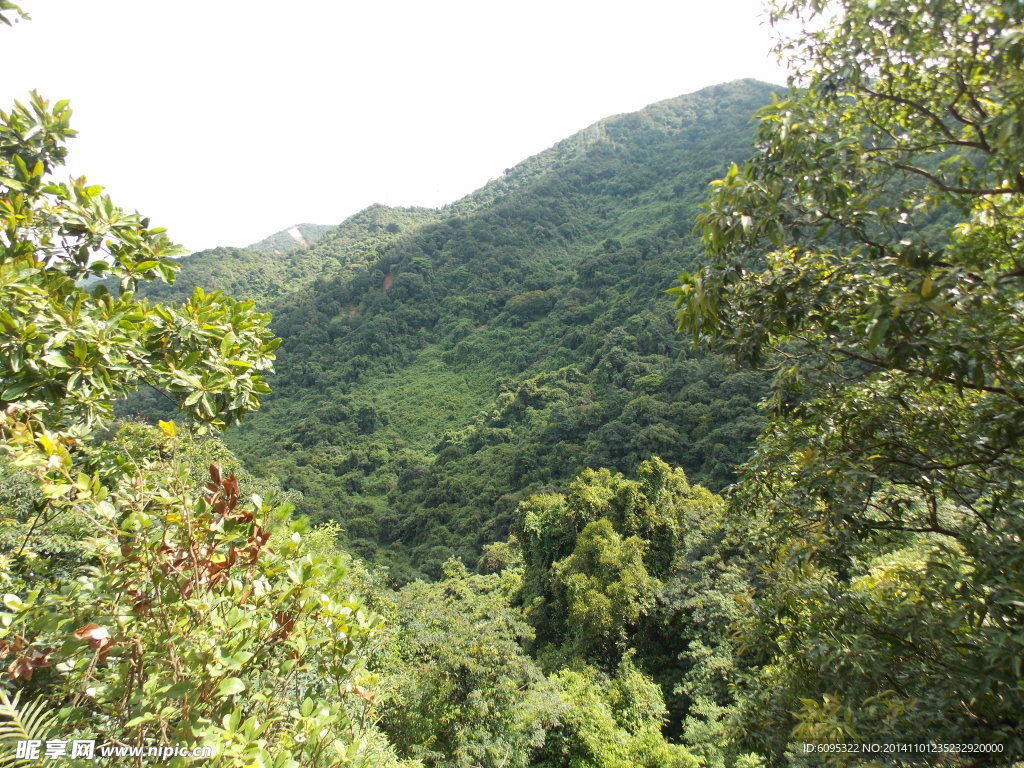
(610, 723)
(871, 250)
(435, 376)
(166, 565)
(637, 578)
(460, 689)
(594, 556)
(31, 721)
(74, 350)
(170, 619)
(10, 13)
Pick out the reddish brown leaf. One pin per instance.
(97, 637)
(286, 622)
(104, 648)
(91, 632)
(259, 537)
(26, 663)
(215, 474)
(364, 693)
(242, 517)
(20, 667)
(215, 570)
(231, 490)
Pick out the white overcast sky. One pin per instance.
(228, 120)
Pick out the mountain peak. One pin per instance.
(293, 238)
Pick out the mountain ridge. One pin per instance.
(439, 365)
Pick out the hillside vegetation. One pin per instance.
(440, 366)
(495, 513)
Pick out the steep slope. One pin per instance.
(439, 365)
(433, 375)
(280, 265)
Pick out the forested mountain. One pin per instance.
(439, 366)
(478, 394)
(299, 236)
(280, 264)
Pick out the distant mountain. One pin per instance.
(438, 365)
(264, 271)
(293, 238)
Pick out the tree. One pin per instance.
(872, 251)
(69, 347)
(459, 689)
(603, 589)
(609, 722)
(172, 619)
(595, 558)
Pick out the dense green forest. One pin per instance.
(440, 366)
(462, 488)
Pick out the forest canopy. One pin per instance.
(872, 251)
(503, 517)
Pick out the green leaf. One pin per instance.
(878, 329)
(56, 359)
(179, 690)
(15, 391)
(230, 686)
(13, 603)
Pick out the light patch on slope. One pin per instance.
(297, 236)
